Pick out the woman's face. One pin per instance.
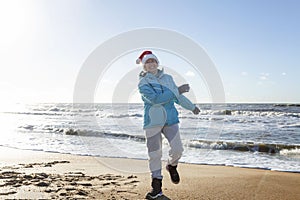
(151, 66)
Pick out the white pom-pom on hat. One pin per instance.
(138, 61)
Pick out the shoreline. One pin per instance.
(107, 157)
(76, 176)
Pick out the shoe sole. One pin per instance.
(175, 182)
(148, 196)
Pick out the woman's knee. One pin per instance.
(155, 154)
(177, 152)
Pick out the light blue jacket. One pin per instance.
(159, 92)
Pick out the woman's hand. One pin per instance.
(196, 111)
(184, 88)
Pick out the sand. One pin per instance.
(26, 174)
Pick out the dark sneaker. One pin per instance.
(156, 189)
(173, 173)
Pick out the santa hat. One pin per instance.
(145, 56)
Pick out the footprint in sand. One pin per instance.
(74, 185)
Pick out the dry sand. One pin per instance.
(28, 174)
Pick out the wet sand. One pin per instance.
(26, 174)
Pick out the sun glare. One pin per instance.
(15, 21)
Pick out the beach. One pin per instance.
(42, 175)
(93, 90)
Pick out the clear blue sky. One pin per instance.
(254, 44)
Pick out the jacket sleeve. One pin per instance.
(149, 95)
(185, 102)
(182, 100)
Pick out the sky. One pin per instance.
(255, 46)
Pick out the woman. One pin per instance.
(159, 93)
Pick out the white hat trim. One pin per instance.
(148, 56)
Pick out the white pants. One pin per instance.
(154, 145)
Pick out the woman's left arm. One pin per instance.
(182, 100)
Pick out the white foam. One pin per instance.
(290, 152)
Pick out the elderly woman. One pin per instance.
(159, 93)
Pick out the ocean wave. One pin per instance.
(125, 115)
(265, 113)
(291, 152)
(255, 113)
(108, 115)
(286, 105)
(209, 114)
(291, 126)
(239, 146)
(34, 113)
(80, 132)
(27, 127)
(55, 109)
(37, 128)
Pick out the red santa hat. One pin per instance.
(145, 56)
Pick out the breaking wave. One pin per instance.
(239, 146)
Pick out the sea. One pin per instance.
(261, 136)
